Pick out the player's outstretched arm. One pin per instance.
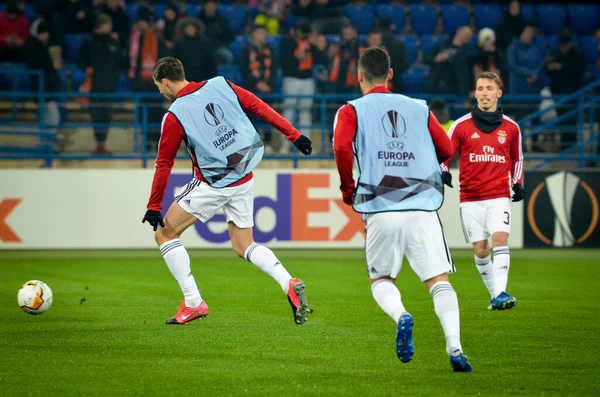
(171, 136)
(253, 104)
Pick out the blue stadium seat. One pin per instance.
(423, 19)
(413, 81)
(333, 39)
(552, 17)
(253, 12)
(231, 73)
(411, 42)
(361, 16)
(124, 83)
(428, 41)
(235, 15)
(275, 43)
(278, 85)
(395, 12)
(528, 13)
(362, 39)
(132, 11)
(487, 15)
(30, 12)
(159, 11)
(582, 18)
(589, 47)
(193, 10)
(237, 45)
(473, 42)
(72, 72)
(453, 17)
(73, 42)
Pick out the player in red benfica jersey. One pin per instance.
(491, 162)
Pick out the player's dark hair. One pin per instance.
(491, 76)
(169, 68)
(374, 63)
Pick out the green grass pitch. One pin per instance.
(116, 343)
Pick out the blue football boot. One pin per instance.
(404, 344)
(460, 362)
(502, 302)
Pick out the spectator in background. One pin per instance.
(195, 51)
(258, 69)
(328, 16)
(297, 67)
(565, 70)
(511, 26)
(439, 108)
(320, 53)
(14, 31)
(450, 65)
(344, 62)
(270, 14)
(301, 9)
(525, 70)
(488, 58)
(103, 59)
(145, 48)
(79, 16)
(43, 13)
(36, 55)
(167, 25)
(120, 20)
(397, 52)
(217, 30)
(525, 65)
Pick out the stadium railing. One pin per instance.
(324, 107)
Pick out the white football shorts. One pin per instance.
(237, 202)
(416, 234)
(481, 219)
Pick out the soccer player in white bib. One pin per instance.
(398, 144)
(491, 161)
(224, 148)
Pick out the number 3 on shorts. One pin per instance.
(507, 219)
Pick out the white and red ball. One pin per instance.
(35, 297)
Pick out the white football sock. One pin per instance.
(266, 261)
(501, 265)
(484, 266)
(178, 262)
(445, 303)
(388, 298)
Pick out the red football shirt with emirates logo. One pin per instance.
(487, 160)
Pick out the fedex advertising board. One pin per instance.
(65, 209)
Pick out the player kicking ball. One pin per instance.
(398, 145)
(491, 161)
(224, 148)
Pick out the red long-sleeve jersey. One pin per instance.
(172, 133)
(487, 159)
(18, 27)
(344, 133)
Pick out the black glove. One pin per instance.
(304, 144)
(519, 193)
(447, 178)
(154, 218)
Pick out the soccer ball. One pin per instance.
(35, 297)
